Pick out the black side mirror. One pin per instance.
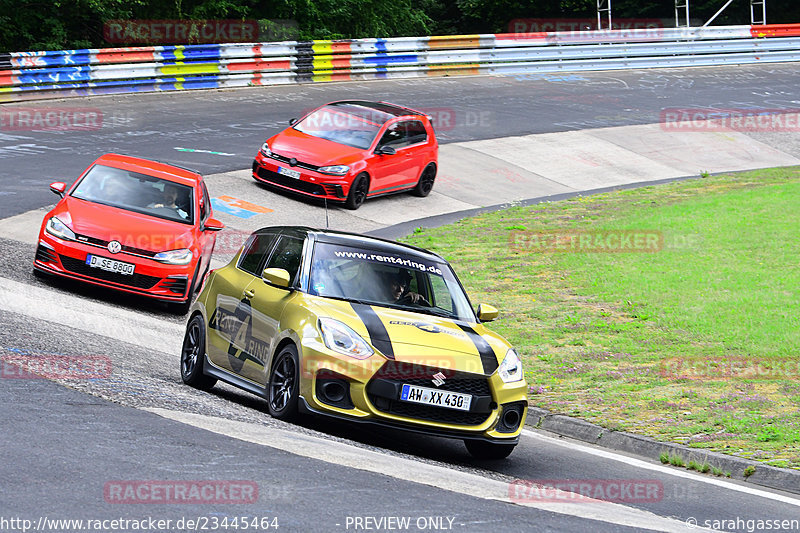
(386, 150)
(292, 121)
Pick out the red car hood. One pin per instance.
(313, 150)
(129, 228)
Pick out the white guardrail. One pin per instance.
(57, 74)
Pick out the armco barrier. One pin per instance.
(56, 74)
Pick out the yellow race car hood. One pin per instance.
(419, 338)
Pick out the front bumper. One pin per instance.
(310, 183)
(150, 278)
(367, 391)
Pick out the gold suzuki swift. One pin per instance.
(358, 328)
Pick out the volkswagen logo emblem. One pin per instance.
(293, 162)
(114, 247)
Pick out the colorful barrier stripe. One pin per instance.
(81, 72)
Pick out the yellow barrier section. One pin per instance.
(190, 68)
(454, 41)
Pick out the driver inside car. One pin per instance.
(399, 290)
(169, 200)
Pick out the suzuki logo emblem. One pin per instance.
(114, 247)
(438, 379)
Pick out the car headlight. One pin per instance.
(265, 150)
(341, 338)
(338, 170)
(175, 257)
(59, 229)
(510, 370)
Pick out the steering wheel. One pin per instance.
(406, 300)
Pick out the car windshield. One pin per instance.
(349, 124)
(402, 281)
(137, 192)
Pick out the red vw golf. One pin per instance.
(350, 151)
(133, 225)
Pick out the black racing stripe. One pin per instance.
(488, 359)
(304, 48)
(378, 336)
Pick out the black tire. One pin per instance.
(425, 183)
(358, 192)
(193, 355)
(283, 388)
(480, 449)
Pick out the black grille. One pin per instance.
(80, 267)
(301, 164)
(45, 255)
(334, 190)
(435, 414)
(176, 285)
(518, 408)
(291, 183)
(104, 244)
(422, 376)
(383, 391)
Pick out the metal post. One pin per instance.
(603, 6)
(681, 5)
(754, 20)
(718, 13)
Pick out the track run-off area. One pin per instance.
(503, 140)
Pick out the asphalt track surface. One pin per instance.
(236, 122)
(61, 445)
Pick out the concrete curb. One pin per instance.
(403, 229)
(645, 447)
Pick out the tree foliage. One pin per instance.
(66, 24)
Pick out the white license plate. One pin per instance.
(112, 265)
(437, 398)
(288, 172)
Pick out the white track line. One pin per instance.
(93, 317)
(644, 465)
(426, 474)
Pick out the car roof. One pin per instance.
(149, 167)
(390, 110)
(352, 239)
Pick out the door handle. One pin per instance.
(249, 294)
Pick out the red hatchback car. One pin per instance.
(350, 151)
(133, 225)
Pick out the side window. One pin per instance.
(441, 294)
(416, 132)
(287, 256)
(205, 203)
(256, 249)
(395, 136)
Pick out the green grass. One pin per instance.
(695, 343)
